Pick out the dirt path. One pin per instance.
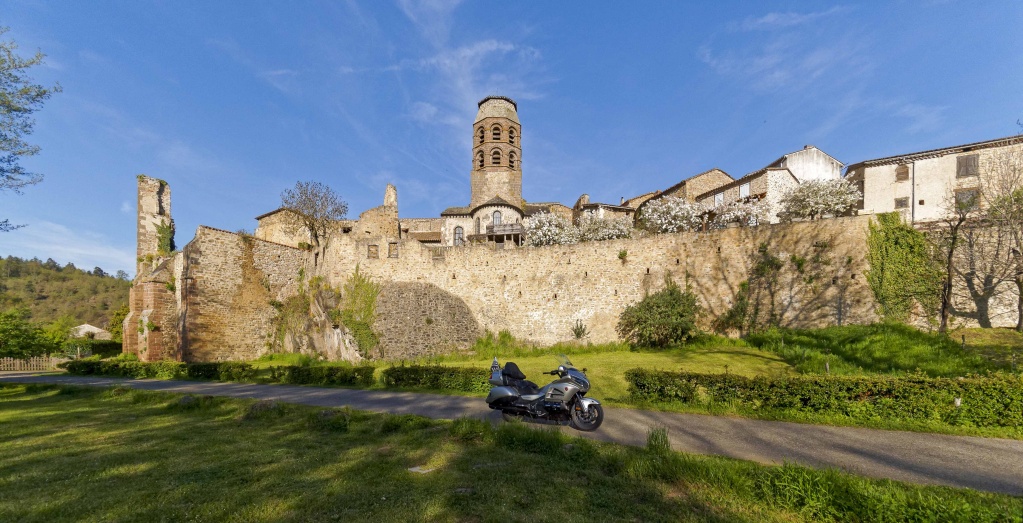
(989, 464)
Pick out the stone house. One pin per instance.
(921, 185)
(769, 184)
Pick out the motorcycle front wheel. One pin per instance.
(587, 421)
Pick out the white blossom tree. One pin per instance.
(546, 228)
(672, 214)
(746, 213)
(815, 198)
(593, 227)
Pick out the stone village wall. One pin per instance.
(538, 293)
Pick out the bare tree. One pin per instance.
(315, 207)
(960, 207)
(1003, 197)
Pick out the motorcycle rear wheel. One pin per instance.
(587, 421)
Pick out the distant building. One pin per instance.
(90, 331)
(920, 185)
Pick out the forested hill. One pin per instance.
(51, 292)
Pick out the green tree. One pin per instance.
(21, 339)
(116, 326)
(666, 317)
(19, 98)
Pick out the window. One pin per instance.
(968, 165)
(511, 160)
(719, 198)
(477, 225)
(967, 199)
(744, 190)
(902, 203)
(373, 251)
(902, 173)
(482, 134)
(459, 236)
(511, 136)
(497, 217)
(479, 159)
(495, 158)
(497, 133)
(392, 250)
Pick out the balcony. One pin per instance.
(505, 229)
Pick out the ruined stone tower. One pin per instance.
(155, 228)
(497, 152)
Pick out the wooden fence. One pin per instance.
(37, 363)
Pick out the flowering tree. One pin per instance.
(814, 198)
(545, 228)
(594, 227)
(746, 213)
(672, 214)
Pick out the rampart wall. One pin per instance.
(538, 293)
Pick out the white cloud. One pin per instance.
(84, 248)
(432, 17)
(126, 208)
(423, 112)
(773, 21)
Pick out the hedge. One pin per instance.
(994, 400)
(225, 371)
(437, 377)
(323, 375)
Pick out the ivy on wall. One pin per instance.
(902, 272)
(165, 238)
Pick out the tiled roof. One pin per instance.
(933, 153)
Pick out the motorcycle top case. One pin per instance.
(500, 395)
(497, 377)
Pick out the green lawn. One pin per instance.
(606, 370)
(71, 454)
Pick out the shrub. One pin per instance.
(995, 400)
(437, 377)
(666, 317)
(224, 371)
(323, 375)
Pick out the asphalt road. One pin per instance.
(988, 464)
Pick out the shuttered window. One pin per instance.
(902, 173)
(968, 165)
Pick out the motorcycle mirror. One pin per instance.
(561, 368)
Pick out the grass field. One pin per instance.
(71, 454)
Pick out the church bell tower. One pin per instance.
(497, 152)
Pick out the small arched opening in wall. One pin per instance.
(495, 157)
(477, 225)
(511, 160)
(482, 134)
(511, 136)
(496, 217)
(459, 236)
(479, 159)
(495, 132)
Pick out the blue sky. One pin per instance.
(232, 102)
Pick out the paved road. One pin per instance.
(989, 464)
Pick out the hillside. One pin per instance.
(50, 291)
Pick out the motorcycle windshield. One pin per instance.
(564, 361)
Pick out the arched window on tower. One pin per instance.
(497, 133)
(511, 160)
(459, 236)
(511, 136)
(497, 217)
(479, 159)
(481, 134)
(495, 158)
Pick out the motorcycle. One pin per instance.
(562, 401)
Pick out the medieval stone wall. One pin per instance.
(538, 293)
(420, 319)
(229, 283)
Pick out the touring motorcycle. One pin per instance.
(562, 401)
